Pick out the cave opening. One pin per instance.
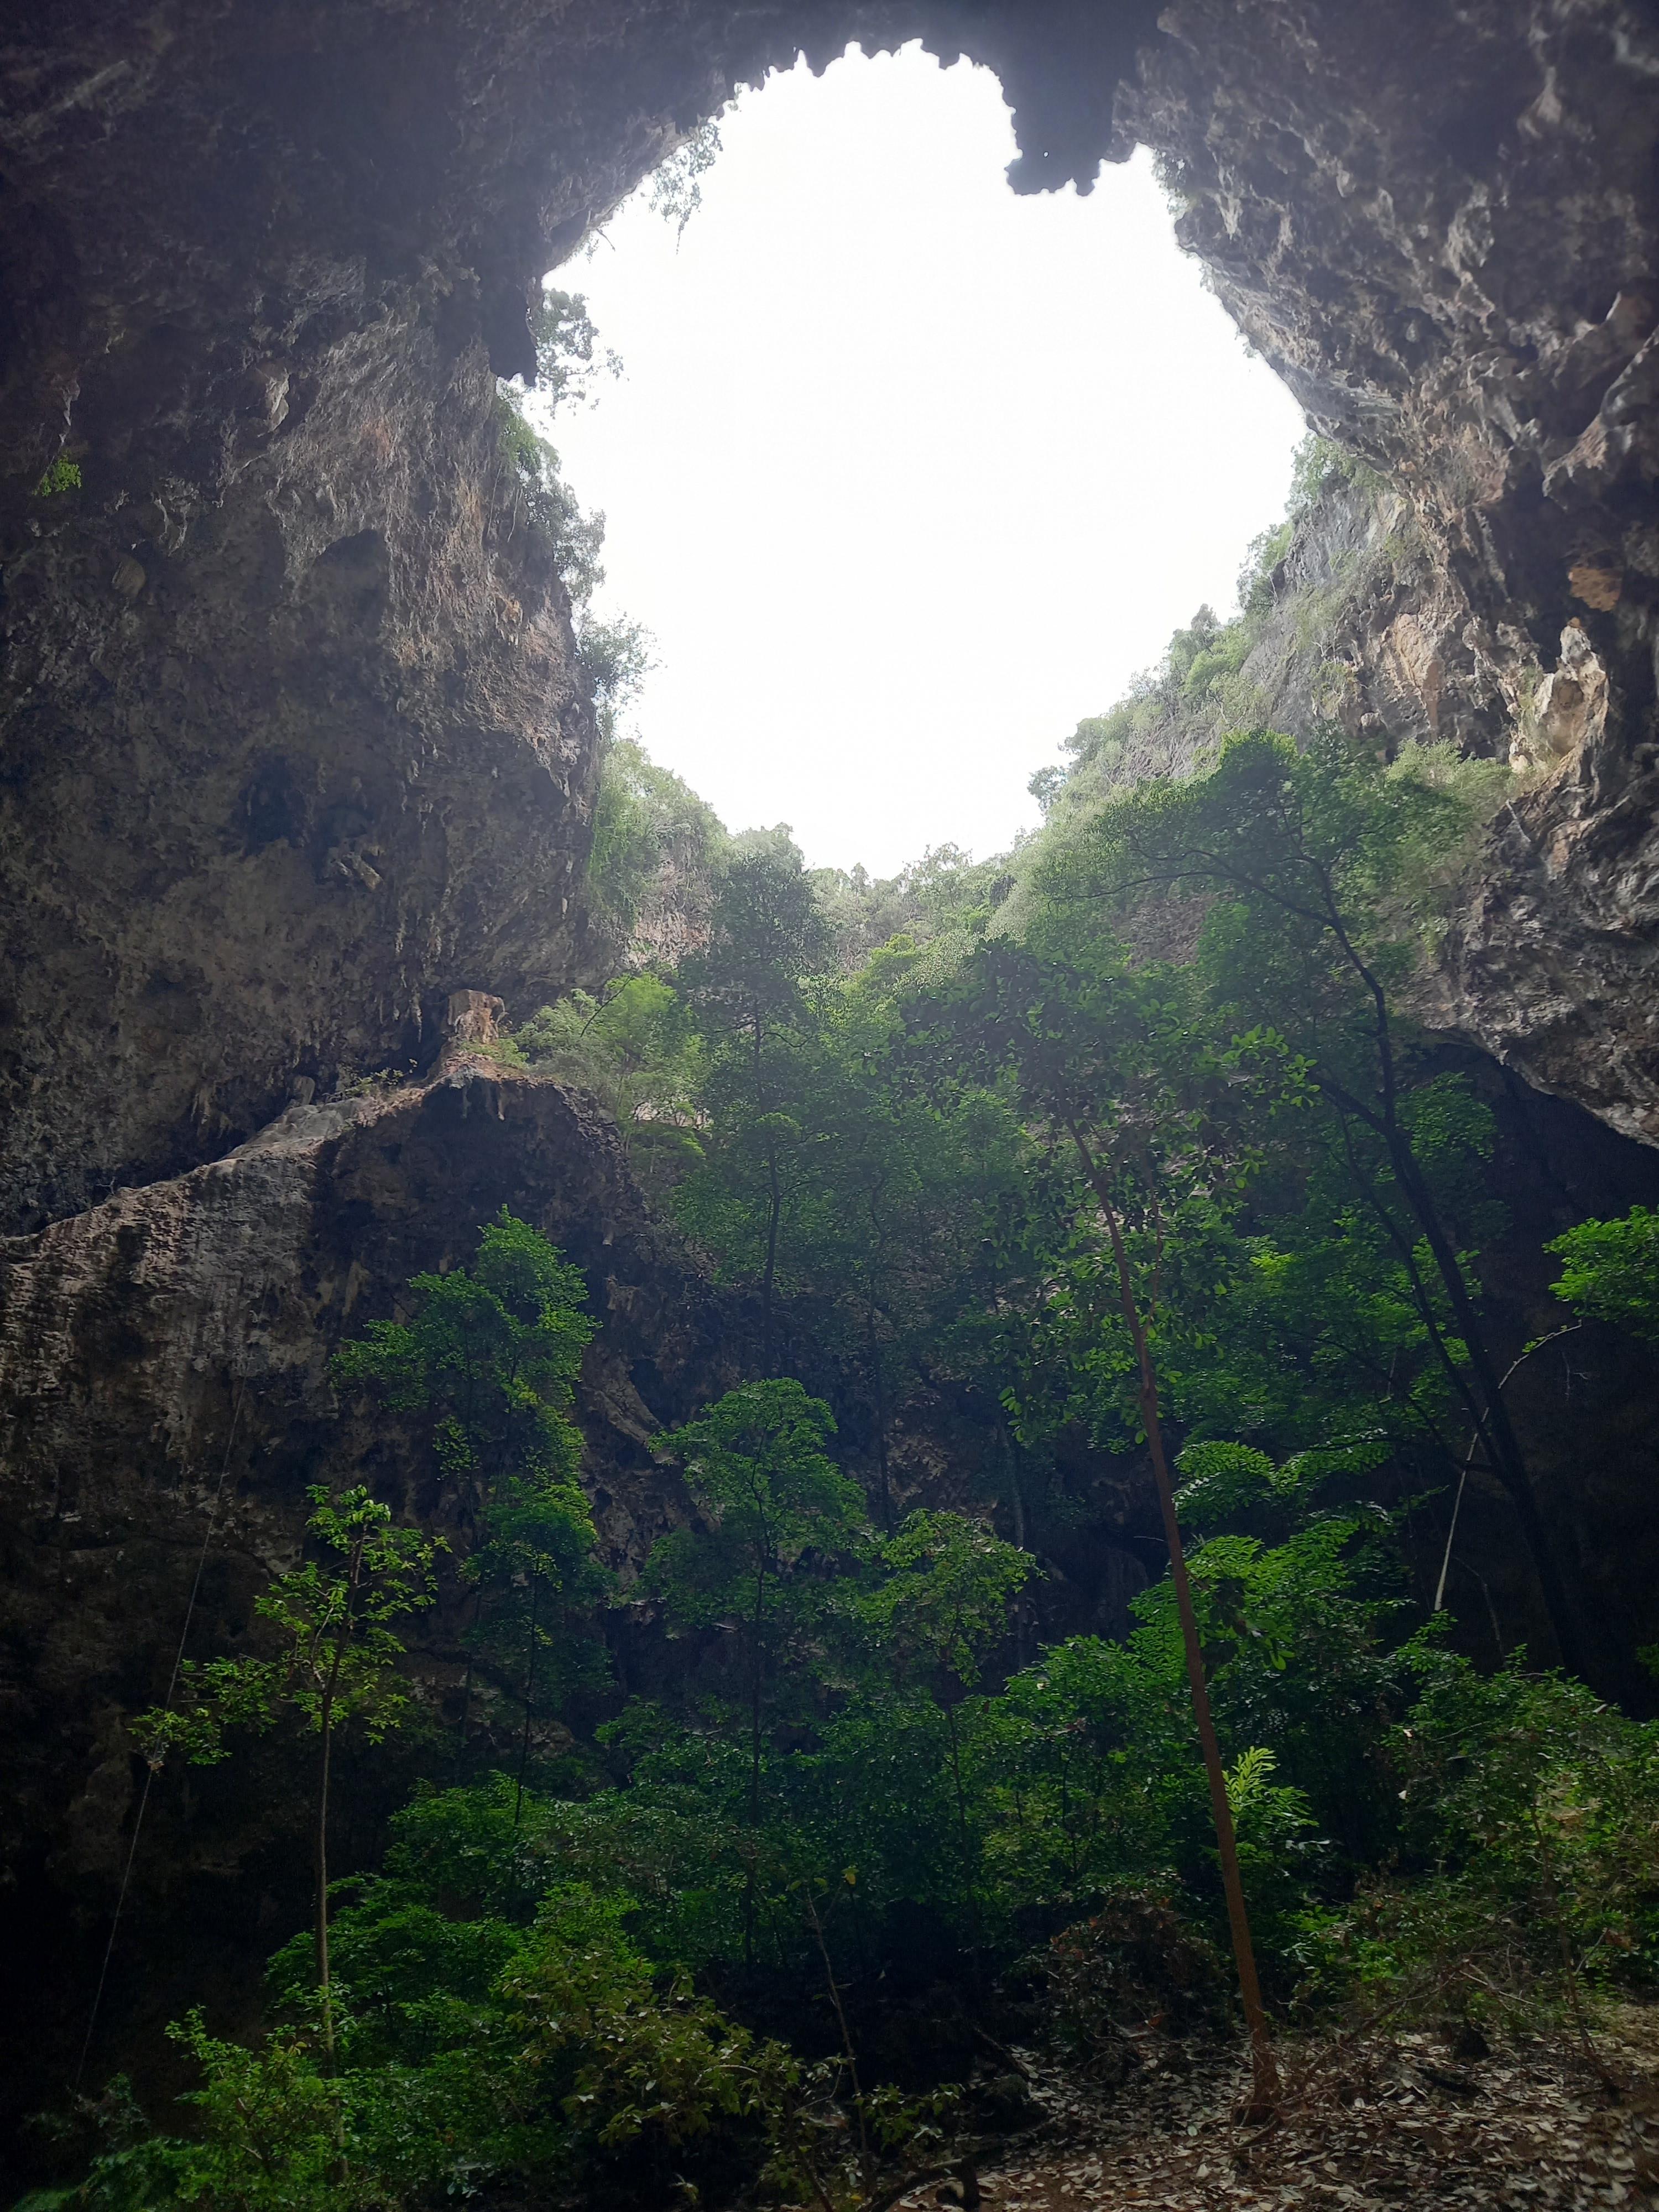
(905, 473)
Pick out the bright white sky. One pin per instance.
(906, 475)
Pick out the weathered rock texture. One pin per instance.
(296, 739)
(164, 1368)
(1441, 226)
(295, 742)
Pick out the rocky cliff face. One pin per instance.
(296, 739)
(164, 1368)
(296, 744)
(1441, 226)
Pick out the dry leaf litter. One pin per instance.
(1384, 2122)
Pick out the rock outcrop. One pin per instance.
(296, 740)
(164, 1370)
(1442, 228)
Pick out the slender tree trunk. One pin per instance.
(322, 1883)
(1492, 1418)
(1264, 2072)
(749, 1883)
(774, 1216)
(323, 1985)
(529, 1694)
(1016, 1504)
(1480, 1389)
(1509, 1460)
(866, 2163)
(879, 1390)
(325, 1724)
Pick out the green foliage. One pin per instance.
(653, 840)
(1217, 675)
(675, 186)
(919, 1129)
(749, 990)
(336, 1662)
(1612, 1271)
(491, 1354)
(476, 2055)
(1313, 868)
(335, 1657)
(634, 1047)
(777, 1514)
(617, 658)
(766, 938)
(491, 1357)
(568, 360)
(569, 356)
(58, 477)
(1530, 1823)
(548, 503)
(755, 1463)
(945, 1599)
(1046, 785)
(942, 899)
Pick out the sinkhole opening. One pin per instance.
(906, 475)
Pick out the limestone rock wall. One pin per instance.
(296, 739)
(296, 744)
(1441, 225)
(164, 1372)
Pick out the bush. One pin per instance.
(1132, 1966)
(1612, 1271)
(1531, 1824)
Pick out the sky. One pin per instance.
(906, 475)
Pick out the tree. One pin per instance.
(774, 1507)
(944, 1605)
(1103, 1052)
(892, 1189)
(1314, 868)
(569, 355)
(767, 937)
(492, 1356)
(335, 1661)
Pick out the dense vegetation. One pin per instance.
(963, 1147)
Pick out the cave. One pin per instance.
(298, 745)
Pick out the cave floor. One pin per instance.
(1364, 2121)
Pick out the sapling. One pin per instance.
(756, 1465)
(336, 1660)
(944, 1606)
(1104, 1055)
(1264, 2089)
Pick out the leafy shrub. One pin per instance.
(1612, 1271)
(59, 476)
(1135, 1965)
(1531, 1821)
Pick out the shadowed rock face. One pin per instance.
(1441, 226)
(164, 1369)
